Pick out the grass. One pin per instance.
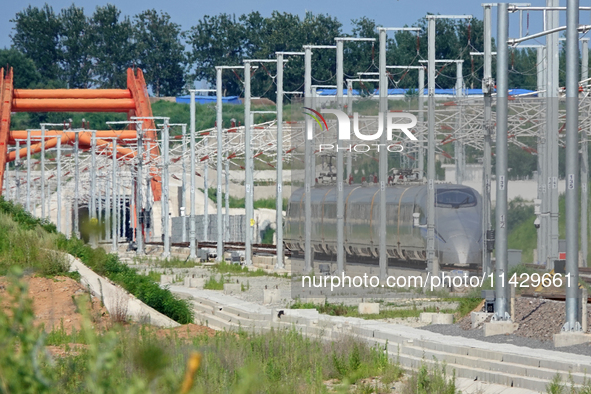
(214, 284)
(32, 245)
(235, 202)
(352, 311)
(238, 269)
(136, 359)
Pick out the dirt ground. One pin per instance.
(55, 302)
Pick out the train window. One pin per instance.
(455, 198)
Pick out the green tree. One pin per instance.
(113, 47)
(36, 34)
(25, 72)
(160, 52)
(76, 41)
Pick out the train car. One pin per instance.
(458, 217)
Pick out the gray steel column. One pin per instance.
(184, 184)
(308, 176)
(279, 190)
(552, 123)
(542, 165)
(192, 254)
(17, 164)
(248, 183)
(93, 218)
(432, 261)
(501, 312)
(115, 205)
(421, 143)
(138, 190)
(42, 171)
(205, 191)
(220, 158)
(572, 165)
(76, 182)
(29, 170)
(584, 160)
(227, 195)
(349, 112)
(58, 160)
(341, 257)
(487, 127)
(107, 198)
(383, 157)
(165, 190)
(459, 144)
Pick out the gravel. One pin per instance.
(538, 319)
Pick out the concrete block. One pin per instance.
(197, 282)
(499, 328)
(271, 296)
(571, 338)
(436, 318)
(232, 288)
(443, 318)
(166, 279)
(369, 308)
(478, 318)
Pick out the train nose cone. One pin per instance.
(464, 250)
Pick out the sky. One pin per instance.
(390, 13)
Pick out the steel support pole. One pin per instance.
(432, 260)
(93, 218)
(192, 254)
(29, 171)
(220, 158)
(421, 143)
(341, 257)
(383, 158)
(572, 166)
(76, 183)
(17, 165)
(542, 165)
(584, 161)
(43, 171)
(206, 191)
(107, 200)
(248, 183)
(58, 160)
(308, 177)
(501, 312)
(139, 239)
(184, 184)
(165, 189)
(279, 265)
(349, 112)
(552, 123)
(115, 205)
(459, 143)
(487, 127)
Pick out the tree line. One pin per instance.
(72, 49)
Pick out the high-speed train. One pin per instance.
(458, 217)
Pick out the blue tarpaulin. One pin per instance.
(447, 92)
(208, 99)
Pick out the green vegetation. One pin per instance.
(556, 386)
(134, 359)
(431, 380)
(214, 284)
(234, 202)
(32, 244)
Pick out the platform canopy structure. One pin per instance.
(134, 101)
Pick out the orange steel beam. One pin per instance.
(72, 94)
(6, 90)
(83, 139)
(121, 135)
(137, 86)
(72, 105)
